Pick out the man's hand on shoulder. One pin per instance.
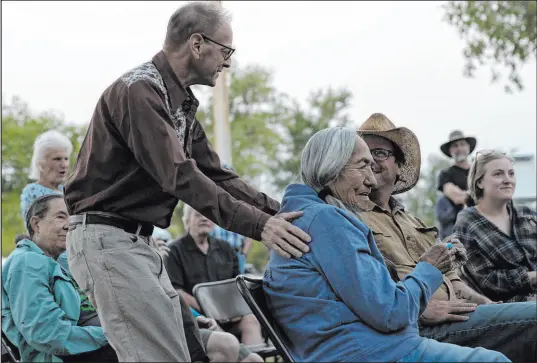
(284, 238)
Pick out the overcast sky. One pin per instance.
(398, 58)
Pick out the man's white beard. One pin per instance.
(460, 158)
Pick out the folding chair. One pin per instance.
(251, 290)
(221, 301)
(10, 353)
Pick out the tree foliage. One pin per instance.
(421, 200)
(498, 33)
(254, 114)
(19, 130)
(324, 108)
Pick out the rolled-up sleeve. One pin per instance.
(143, 120)
(40, 320)
(363, 282)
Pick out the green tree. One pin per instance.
(421, 199)
(19, 130)
(500, 33)
(324, 108)
(254, 113)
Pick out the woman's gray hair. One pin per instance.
(325, 155)
(39, 208)
(203, 17)
(51, 139)
(478, 169)
(187, 211)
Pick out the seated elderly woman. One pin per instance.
(43, 313)
(500, 238)
(49, 166)
(64, 325)
(338, 301)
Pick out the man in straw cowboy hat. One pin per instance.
(452, 182)
(403, 238)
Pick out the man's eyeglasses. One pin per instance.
(381, 154)
(226, 51)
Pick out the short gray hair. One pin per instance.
(325, 155)
(51, 139)
(202, 17)
(39, 208)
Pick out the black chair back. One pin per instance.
(10, 353)
(251, 290)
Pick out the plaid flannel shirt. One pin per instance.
(498, 263)
(235, 240)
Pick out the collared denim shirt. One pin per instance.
(338, 301)
(41, 307)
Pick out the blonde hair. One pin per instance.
(478, 169)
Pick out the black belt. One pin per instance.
(143, 229)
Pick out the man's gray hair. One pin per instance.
(51, 139)
(187, 211)
(203, 17)
(325, 155)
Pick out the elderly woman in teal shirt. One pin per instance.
(42, 310)
(338, 303)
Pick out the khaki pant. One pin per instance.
(126, 280)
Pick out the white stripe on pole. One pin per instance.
(222, 132)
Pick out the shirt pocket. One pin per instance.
(528, 227)
(429, 232)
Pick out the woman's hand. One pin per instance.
(440, 257)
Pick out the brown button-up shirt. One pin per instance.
(145, 150)
(402, 239)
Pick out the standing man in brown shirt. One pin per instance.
(403, 238)
(143, 152)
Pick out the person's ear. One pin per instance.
(34, 223)
(196, 45)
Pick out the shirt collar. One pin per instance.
(30, 245)
(177, 92)
(369, 206)
(192, 246)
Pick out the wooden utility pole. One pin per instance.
(222, 132)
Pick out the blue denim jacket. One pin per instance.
(338, 302)
(41, 307)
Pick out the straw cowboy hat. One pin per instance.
(380, 125)
(457, 135)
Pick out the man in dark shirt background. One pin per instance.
(143, 152)
(453, 181)
(198, 257)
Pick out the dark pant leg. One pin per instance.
(507, 328)
(103, 354)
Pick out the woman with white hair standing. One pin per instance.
(50, 162)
